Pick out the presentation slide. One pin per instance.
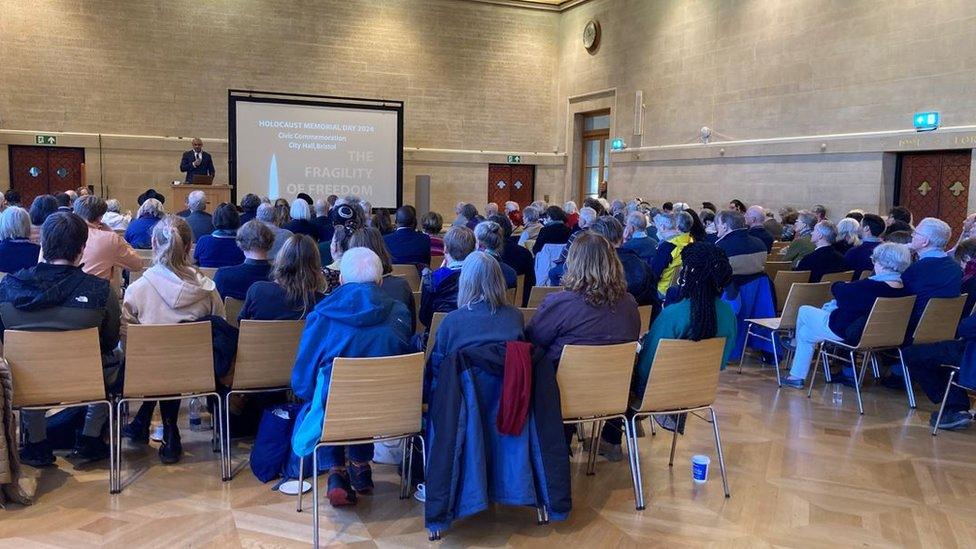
(286, 149)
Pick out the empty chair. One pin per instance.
(773, 267)
(410, 273)
(538, 293)
(784, 281)
(844, 276)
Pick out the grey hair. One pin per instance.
(807, 218)
(636, 220)
(491, 209)
(827, 230)
(848, 229)
(617, 206)
(665, 221)
(151, 207)
(490, 235)
(360, 265)
(265, 212)
(301, 210)
(511, 206)
(935, 230)
(608, 227)
(684, 221)
(113, 205)
(196, 201)
(570, 207)
(255, 235)
(91, 208)
(892, 256)
(731, 219)
(530, 215)
(14, 223)
(587, 215)
(321, 207)
(481, 280)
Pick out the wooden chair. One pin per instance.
(813, 294)
(845, 276)
(353, 417)
(266, 352)
(435, 323)
(865, 274)
(519, 291)
(58, 369)
(939, 320)
(779, 245)
(527, 314)
(683, 379)
(529, 244)
(594, 386)
(208, 272)
(773, 267)
(232, 308)
(885, 329)
(645, 318)
(436, 261)
(510, 295)
(168, 362)
(410, 273)
(418, 327)
(784, 281)
(952, 383)
(538, 293)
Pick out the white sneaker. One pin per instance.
(157, 434)
(388, 453)
(421, 493)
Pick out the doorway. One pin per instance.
(44, 170)
(595, 155)
(515, 182)
(935, 184)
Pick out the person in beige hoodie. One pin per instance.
(169, 292)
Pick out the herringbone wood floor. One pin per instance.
(803, 473)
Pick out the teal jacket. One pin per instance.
(674, 322)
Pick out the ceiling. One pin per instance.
(547, 5)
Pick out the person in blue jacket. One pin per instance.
(16, 250)
(407, 245)
(439, 288)
(139, 232)
(356, 320)
(219, 249)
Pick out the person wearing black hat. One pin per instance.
(151, 193)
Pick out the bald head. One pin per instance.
(755, 215)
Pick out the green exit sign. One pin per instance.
(46, 139)
(514, 159)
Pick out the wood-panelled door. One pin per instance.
(44, 170)
(936, 184)
(515, 182)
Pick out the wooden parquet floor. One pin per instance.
(803, 473)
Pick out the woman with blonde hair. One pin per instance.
(171, 291)
(295, 287)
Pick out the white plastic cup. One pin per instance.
(699, 468)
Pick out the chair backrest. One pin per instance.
(684, 374)
(208, 272)
(645, 317)
(773, 267)
(939, 319)
(410, 273)
(779, 245)
(844, 276)
(784, 281)
(527, 314)
(168, 359)
(538, 293)
(510, 294)
(266, 352)
(887, 322)
(529, 244)
(436, 261)
(594, 380)
(435, 323)
(800, 294)
(865, 274)
(54, 367)
(416, 313)
(519, 290)
(374, 397)
(232, 308)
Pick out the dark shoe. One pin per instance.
(794, 382)
(172, 449)
(37, 454)
(340, 492)
(361, 478)
(136, 431)
(952, 421)
(90, 449)
(843, 379)
(672, 422)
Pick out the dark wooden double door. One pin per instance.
(936, 184)
(515, 182)
(44, 170)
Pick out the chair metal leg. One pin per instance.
(229, 469)
(301, 481)
(867, 359)
(908, 381)
(938, 419)
(651, 421)
(111, 448)
(813, 374)
(745, 345)
(403, 469)
(117, 455)
(874, 366)
(315, 497)
(779, 382)
(423, 452)
(224, 474)
(409, 466)
(543, 515)
(718, 448)
(594, 443)
(633, 451)
(857, 382)
(674, 443)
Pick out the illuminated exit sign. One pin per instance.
(926, 121)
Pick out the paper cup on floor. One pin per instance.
(290, 487)
(699, 468)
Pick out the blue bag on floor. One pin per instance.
(272, 446)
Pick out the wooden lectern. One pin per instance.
(215, 195)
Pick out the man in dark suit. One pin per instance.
(406, 244)
(196, 161)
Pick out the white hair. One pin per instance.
(491, 209)
(935, 230)
(360, 265)
(636, 220)
(848, 230)
(587, 216)
(570, 207)
(300, 209)
(892, 256)
(112, 205)
(511, 206)
(196, 201)
(151, 207)
(14, 223)
(665, 222)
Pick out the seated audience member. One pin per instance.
(357, 320)
(468, 216)
(824, 258)
(406, 244)
(707, 218)
(139, 232)
(219, 249)
(12, 198)
(788, 216)
(897, 227)
(322, 220)
(513, 213)
(755, 218)
(201, 223)
(848, 231)
(490, 238)
(844, 317)
(587, 218)
(858, 258)
(515, 256)
(801, 244)
(710, 206)
(306, 198)
(295, 286)
(171, 291)
(301, 220)
(16, 250)
(593, 309)
(481, 303)
(965, 254)
(640, 281)
(737, 205)
(618, 210)
(113, 218)
(554, 231)
(432, 223)
(249, 205)
(439, 288)
(597, 206)
(394, 286)
(773, 226)
(572, 214)
(701, 313)
(254, 240)
(282, 213)
(382, 221)
(697, 230)
(349, 219)
(899, 214)
(530, 217)
(42, 207)
(57, 295)
(746, 254)
(491, 209)
(856, 215)
(150, 193)
(820, 211)
(65, 202)
(105, 250)
(673, 230)
(898, 237)
(636, 239)
(935, 273)
(265, 214)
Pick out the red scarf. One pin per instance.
(516, 388)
